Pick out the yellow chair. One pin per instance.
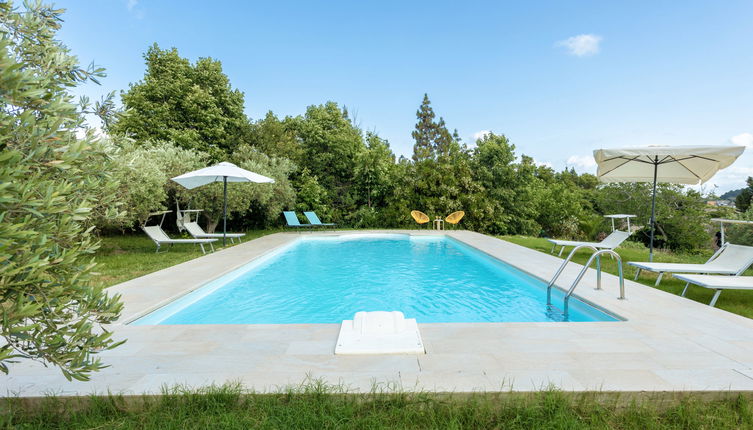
(455, 217)
(419, 217)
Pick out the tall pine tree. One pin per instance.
(432, 137)
(440, 171)
(425, 132)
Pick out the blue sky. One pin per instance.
(560, 79)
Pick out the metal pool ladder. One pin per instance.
(595, 256)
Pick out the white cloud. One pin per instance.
(582, 163)
(744, 139)
(733, 177)
(134, 8)
(480, 135)
(582, 45)
(543, 163)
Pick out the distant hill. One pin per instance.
(730, 195)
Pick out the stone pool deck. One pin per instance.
(666, 343)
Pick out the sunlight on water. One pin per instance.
(329, 279)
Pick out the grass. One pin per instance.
(125, 257)
(318, 406)
(736, 301)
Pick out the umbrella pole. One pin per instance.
(653, 213)
(224, 209)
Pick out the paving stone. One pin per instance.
(664, 342)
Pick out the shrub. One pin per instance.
(49, 183)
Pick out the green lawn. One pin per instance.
(739, 302)
(125, 257)
(319, 407)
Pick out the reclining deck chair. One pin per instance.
(612, 241)
(161, 238)
(196, 231)
(728, 260)
(717, 283)
(315, 221)
(292, 220)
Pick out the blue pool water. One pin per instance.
(329, 279)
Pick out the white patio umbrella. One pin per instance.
(690, 165)
(224, 172)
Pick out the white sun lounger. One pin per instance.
(728, 260)
(196, 231)
(716, 282)
(161, 238)
(610, 242)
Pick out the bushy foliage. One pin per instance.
(330, 145)
(311, 195)
(144, 171)
(49, 182)
(681, 217)
(266, 200)
(741, 234)
(374, 171)
(358, 182)
(276, 138)
(323, 161)
(141, 184)
(507, 206)
(742, 200)
(191, 105)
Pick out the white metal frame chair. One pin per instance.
(159, 237)
(730, 259)
(196, 231)
(612, 241)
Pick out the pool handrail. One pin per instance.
(595, 256)
(562, 268)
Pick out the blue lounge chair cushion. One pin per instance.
(314, 220)
(292, 219)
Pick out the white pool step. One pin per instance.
(379, 332)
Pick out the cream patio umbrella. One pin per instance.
(224, 172)
(690, 165)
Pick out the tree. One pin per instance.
(276, 138)
(143, 172)
(559, 209)
(310, 194)
(400, 199)
(743, 200)
(441, 177)
(192, 105)
(267, 200)
(681, 216)
(425, 132)
(49, 182)
(374, 169)
(141, 184)
(509, 203)
(330, 144)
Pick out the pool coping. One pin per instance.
(134, 316)
(667, 343)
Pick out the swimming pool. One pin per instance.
(326, 279)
